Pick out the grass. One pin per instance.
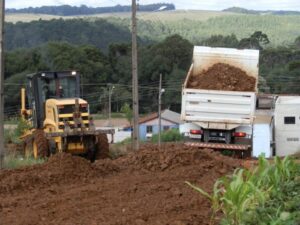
(13, 161)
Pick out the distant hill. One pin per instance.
(193, 25)
(240, 10)
(273, 12)
(67, 10)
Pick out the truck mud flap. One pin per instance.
(219, 146)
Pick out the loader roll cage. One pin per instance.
(50, 85)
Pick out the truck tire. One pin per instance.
(102, 146)
(40, 145)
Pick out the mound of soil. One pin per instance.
(146, 187)
(172, 156)
(60, 168)
(223, 77)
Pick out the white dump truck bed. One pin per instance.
(216, 109)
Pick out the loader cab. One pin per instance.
(42, 86)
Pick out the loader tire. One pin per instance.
(40, 145)
(102, 150)
(28, 148)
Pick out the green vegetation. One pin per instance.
(13, 161)
(171, 135)
(128, 112)
(99, 33)
(101, 51)
(267, 195)
(13, 135)
(257, 12)
(99, 69)
(279, 69)
(67, 10)
(282, 30)
(105, 116)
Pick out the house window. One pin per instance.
(166, 128)
(149, 129)
(289, 120)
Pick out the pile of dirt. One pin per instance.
(171, 156)
(146, 187)
(223, 77)
(60, 168)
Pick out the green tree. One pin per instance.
(229, 41)
(126, 109)
(256, 41)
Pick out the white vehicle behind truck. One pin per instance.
(224, 118)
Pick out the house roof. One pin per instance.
(171, 116)
(166, 115)
(147, 118)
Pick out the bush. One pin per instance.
(13, 135)
(172, 135)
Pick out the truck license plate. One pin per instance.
(196, 136)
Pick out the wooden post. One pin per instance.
(135, 98)
(2, 150)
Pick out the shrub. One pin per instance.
(13, 135)
(172, 135)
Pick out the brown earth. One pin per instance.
(146, 187)
(223, 77)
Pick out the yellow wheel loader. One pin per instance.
(59, 118)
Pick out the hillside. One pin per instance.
(67, 10)
(272, 12)
(155, 26)
(192, 25)
(175, 15)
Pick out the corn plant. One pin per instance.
(233, 196)
(214, 198)
(245, 190)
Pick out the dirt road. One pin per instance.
(142, 188)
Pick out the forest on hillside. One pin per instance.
(279, 69)
(67, 10)
(281, 30)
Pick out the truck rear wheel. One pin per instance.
(102, 147)
(40, 145)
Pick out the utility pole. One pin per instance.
(135, 97)
(2, 10)
(159, 111)
(110, 92)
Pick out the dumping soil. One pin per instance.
(146, 187)
(223, 77)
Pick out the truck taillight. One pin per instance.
(196, 131)
(239, 134)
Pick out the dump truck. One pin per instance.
(59, 119)
(221, 110)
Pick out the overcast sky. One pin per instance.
(180, 4)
